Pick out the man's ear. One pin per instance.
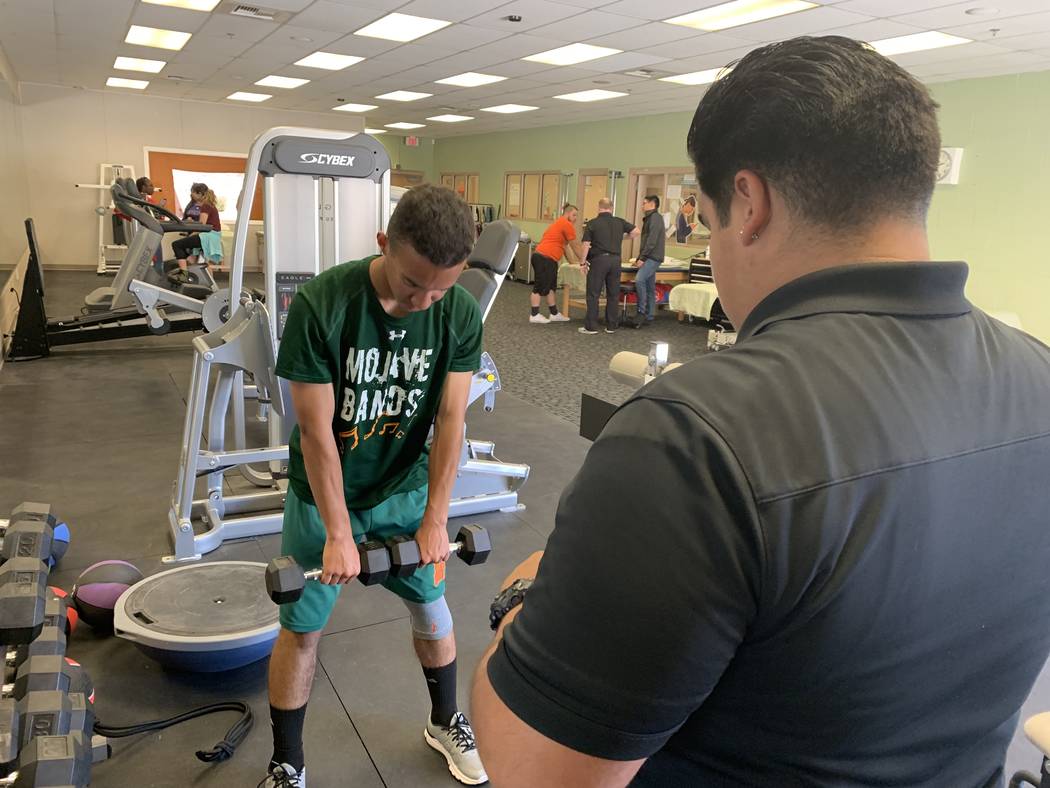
(753, 192)
(383, 241)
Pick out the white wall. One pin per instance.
(67, 133)
(14, 198)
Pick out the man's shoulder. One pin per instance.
(460, 308)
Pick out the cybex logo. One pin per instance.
(338, 160)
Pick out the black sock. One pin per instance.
(552, 309)
(441, 683)
(288, 736)
(535, 310)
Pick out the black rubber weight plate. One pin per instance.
(205, 600)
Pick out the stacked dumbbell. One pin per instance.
(398, 557)
(46, 704)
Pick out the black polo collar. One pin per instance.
(922, 289)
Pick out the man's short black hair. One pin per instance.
(141, 182)
(436, 222)
(653, 199)
(843, 133)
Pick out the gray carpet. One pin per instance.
(550, 365)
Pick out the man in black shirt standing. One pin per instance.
(822, 561)
(602, 243)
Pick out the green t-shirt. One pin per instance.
(387, 372)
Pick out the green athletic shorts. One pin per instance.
(303, 538)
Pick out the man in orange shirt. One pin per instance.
(545, 260)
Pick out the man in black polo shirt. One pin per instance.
(823, 559)
(602, 242)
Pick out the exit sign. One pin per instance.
(412, 142)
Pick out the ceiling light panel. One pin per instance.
(121, 82)
(375, 131)
(329, 61)
(242, 95)
(509, 109)
(695, 77)
(402, 27)
(406, 126)
(573, 53)
(739, 12)
(470, 80)
(355, 107)
(404, 95)
(156, 37)
(274, 81)
(451, 118)
(192, 5)
(917, 42)
(591, 95)
(139, 64)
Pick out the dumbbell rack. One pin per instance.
(46, 712)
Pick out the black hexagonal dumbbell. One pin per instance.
(472, 545)
(23, 600)
(285, 579)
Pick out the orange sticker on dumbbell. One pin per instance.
(439, 573)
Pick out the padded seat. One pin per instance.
(489, 262)
(1037, 729)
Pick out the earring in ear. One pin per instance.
(754, 236)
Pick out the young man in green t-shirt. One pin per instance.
(377, 351)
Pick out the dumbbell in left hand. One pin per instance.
(472, 545)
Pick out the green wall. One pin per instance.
(997, 218)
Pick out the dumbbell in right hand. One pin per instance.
(285, 579)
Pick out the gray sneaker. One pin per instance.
(456, 742)
(284, 776)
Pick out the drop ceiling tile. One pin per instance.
(646, 34)
(98, 28)
(659, 11)
(996, 29)
(326, 15)
(361, 46)
(222, 26)
(294, 35)
(885, 8)
(203, 46)
(518, 46)
(1020, 43)
(815, 20)
(698, 45)
(955, 14)
(23, 24)
(626, 62)
(533, 13)
(380, 5)
(586, 3)
(286, 5)
(562, 74)
(411, 55)
(710, 60)
(449, 10)
(462, 38)
(875, 30)
(515, 68)
(11, 8)
(585, 26)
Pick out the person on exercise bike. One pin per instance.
(377, 351)
(203, 210)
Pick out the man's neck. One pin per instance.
(805, 252)
(377, 273)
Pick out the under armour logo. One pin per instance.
(397, 335)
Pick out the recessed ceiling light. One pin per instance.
(451, 118)
(507, 109)
(404, 95)
(156, 37)
(739, 12)
(917, 42)
(329, 61)
(401, 27)
(120, 82)
(375, 131)
(355, 107)
(241, 95)
(403, 125)
(139, 64)
(470, 80)
(573, 53)
(274, 81)
(591, 95)
(694, 77)
(192, 5)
